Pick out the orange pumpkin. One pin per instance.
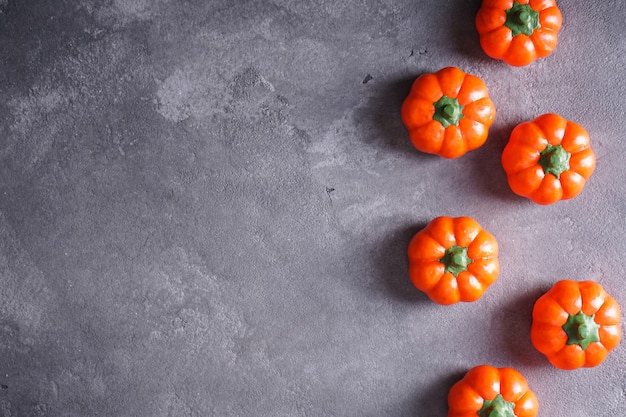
(453, 259)
(576, 324)
(548, 159)
(486, 391)
(518, 31)
(448, 113)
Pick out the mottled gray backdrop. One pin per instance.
(205, 208)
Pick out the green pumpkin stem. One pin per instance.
(581, 330)
(554, 160)
(522, 19)
(456, 260)
(448, 111)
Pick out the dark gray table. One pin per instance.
(205, 208)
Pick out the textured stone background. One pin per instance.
(205, 207)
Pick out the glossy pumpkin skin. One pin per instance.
(486, 391)
(576, 324)
(453, 259)
(548, 159)
(448, 113)
(518, 32)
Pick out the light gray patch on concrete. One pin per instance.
(199, 91)
(26, 298)
(121, 13)
(173, 97)
(35, 120)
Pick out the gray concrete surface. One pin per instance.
(205, 207)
